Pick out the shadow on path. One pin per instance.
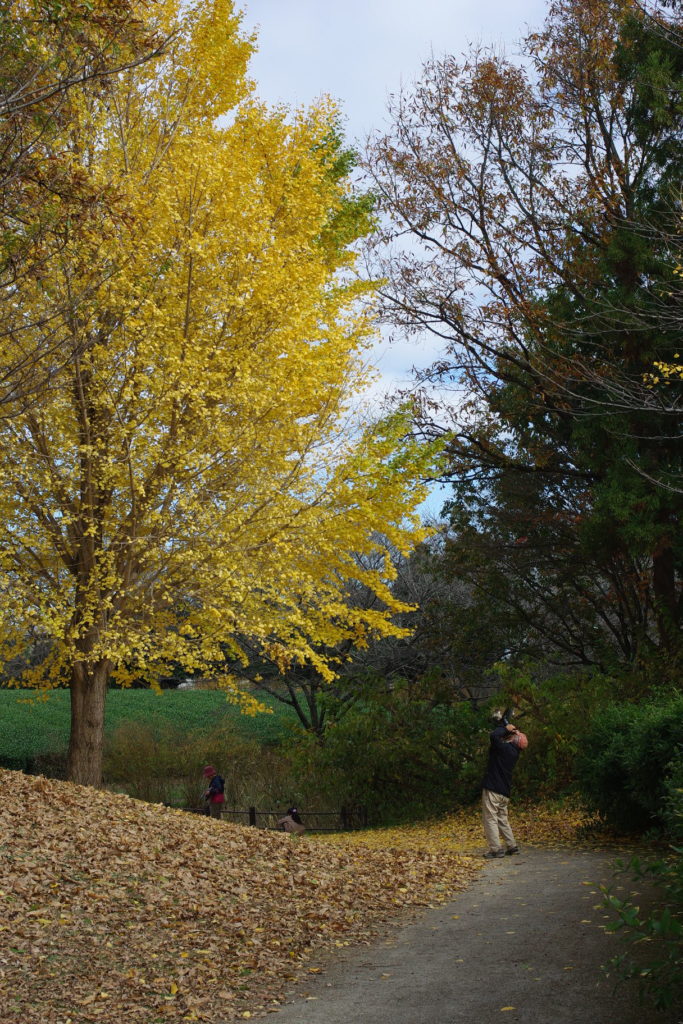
(522, 944)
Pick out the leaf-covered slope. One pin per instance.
(115, 910)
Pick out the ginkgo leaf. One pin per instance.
(199, 444)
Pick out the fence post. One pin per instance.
(252, 815)
(344, 815)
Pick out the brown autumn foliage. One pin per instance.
(531, 224)
(113, 909)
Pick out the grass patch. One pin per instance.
(31, 727)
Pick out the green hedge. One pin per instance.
(628, 759)
(399, 757)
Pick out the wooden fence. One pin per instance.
(346, 819)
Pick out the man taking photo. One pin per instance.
(506, 744)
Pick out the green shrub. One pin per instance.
(627, 759)
(399, 757)
(673, 802)
(555, 707)
(654, 937)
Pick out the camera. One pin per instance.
(502, 717)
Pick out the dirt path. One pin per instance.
(523, 944)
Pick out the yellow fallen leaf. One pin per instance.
(173, 989)
(504, 1008)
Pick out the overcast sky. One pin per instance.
(361, 51)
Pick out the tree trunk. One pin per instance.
(88, 696)
(666, 597)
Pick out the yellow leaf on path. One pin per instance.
(504, 1008)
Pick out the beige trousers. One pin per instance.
(495, 815)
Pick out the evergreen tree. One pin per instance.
(543, 196)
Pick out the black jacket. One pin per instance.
(502, 759)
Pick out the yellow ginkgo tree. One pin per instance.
(194, 471)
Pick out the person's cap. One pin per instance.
(209, 770)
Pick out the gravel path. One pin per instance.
(523, 944)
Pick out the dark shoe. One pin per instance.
(494, 854)
(512, 849)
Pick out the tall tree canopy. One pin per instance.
(193, 472)
(48, 52)
(542, 199)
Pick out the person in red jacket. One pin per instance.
(506, 743)
(215, 794)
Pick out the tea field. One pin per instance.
(32, 726)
